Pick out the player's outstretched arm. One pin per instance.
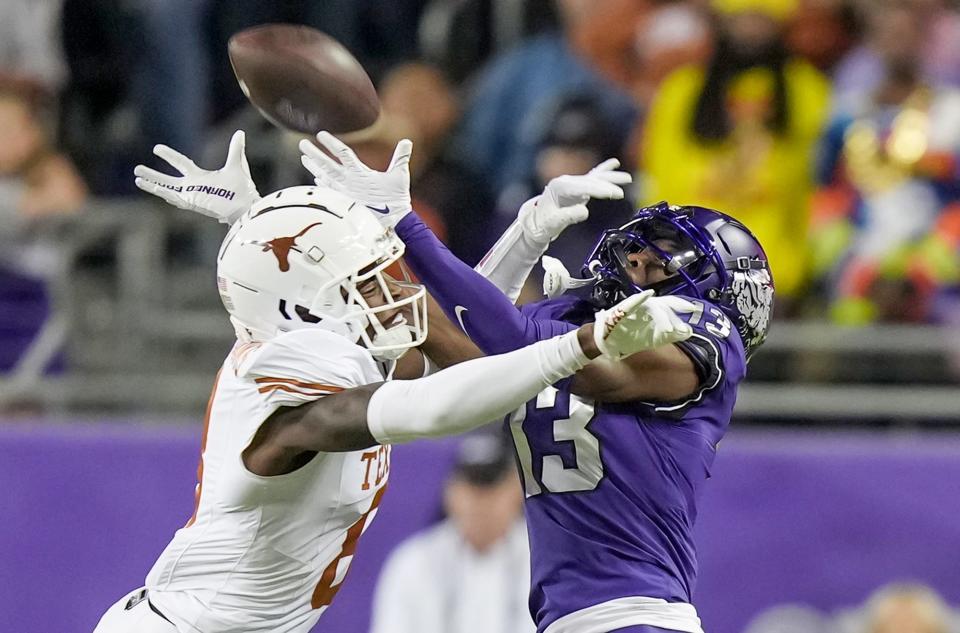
(484, 313)
(542, 219)
(461, 397)
(659, 373)
(224, 194)
(487, 316)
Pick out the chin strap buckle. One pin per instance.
(745, 263)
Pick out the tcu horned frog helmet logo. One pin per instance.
(753, 294)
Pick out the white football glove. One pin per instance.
(564, 200)
(641, 322)
(224, 194)
(387, 193)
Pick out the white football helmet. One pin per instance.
(300, 257)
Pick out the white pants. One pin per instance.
(132, 614)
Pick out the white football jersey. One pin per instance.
(270, 553)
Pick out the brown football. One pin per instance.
(302, 79)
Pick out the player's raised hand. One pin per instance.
(387, 193)
(225, 194)
(564, 200)
(641, 322)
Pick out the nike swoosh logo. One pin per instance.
(384, 211)
(458, 311)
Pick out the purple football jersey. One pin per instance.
(611, 489)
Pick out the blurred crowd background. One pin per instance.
(830, 127)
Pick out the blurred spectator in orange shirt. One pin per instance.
(636, 43)
(822, 31)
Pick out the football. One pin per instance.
(303, 80)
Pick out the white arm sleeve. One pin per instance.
(509, 262)
(472, 393)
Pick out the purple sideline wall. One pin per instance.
(787, 518)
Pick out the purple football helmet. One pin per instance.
(707, 254)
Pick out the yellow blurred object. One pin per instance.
(853, 311)
(753, 85)
(762, 178)
(777, 9)
(876, 165)
(940, 259)
(831, 242)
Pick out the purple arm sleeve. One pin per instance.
(485, 314)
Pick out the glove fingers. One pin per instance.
(678, 325)
(679, 305)
(246, 169)
(566, 188)
(577, 213)
(401, 155)
(634, 303)
(142, 171)
(616, 177)
(338, 148)
(317, 155)
(177, 160)
(235, 155)
(317, 162)
(675, 335)
(307, 148)
(603, 190)
(320, 178)
(157, 190)
(674, 328)
(607, 165)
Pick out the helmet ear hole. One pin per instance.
(305, 315)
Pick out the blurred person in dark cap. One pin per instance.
(469, 573)
(420, 104)
(515, 90)
(575, 136)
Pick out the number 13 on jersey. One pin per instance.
(557, 443)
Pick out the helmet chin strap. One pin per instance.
(557, 279)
